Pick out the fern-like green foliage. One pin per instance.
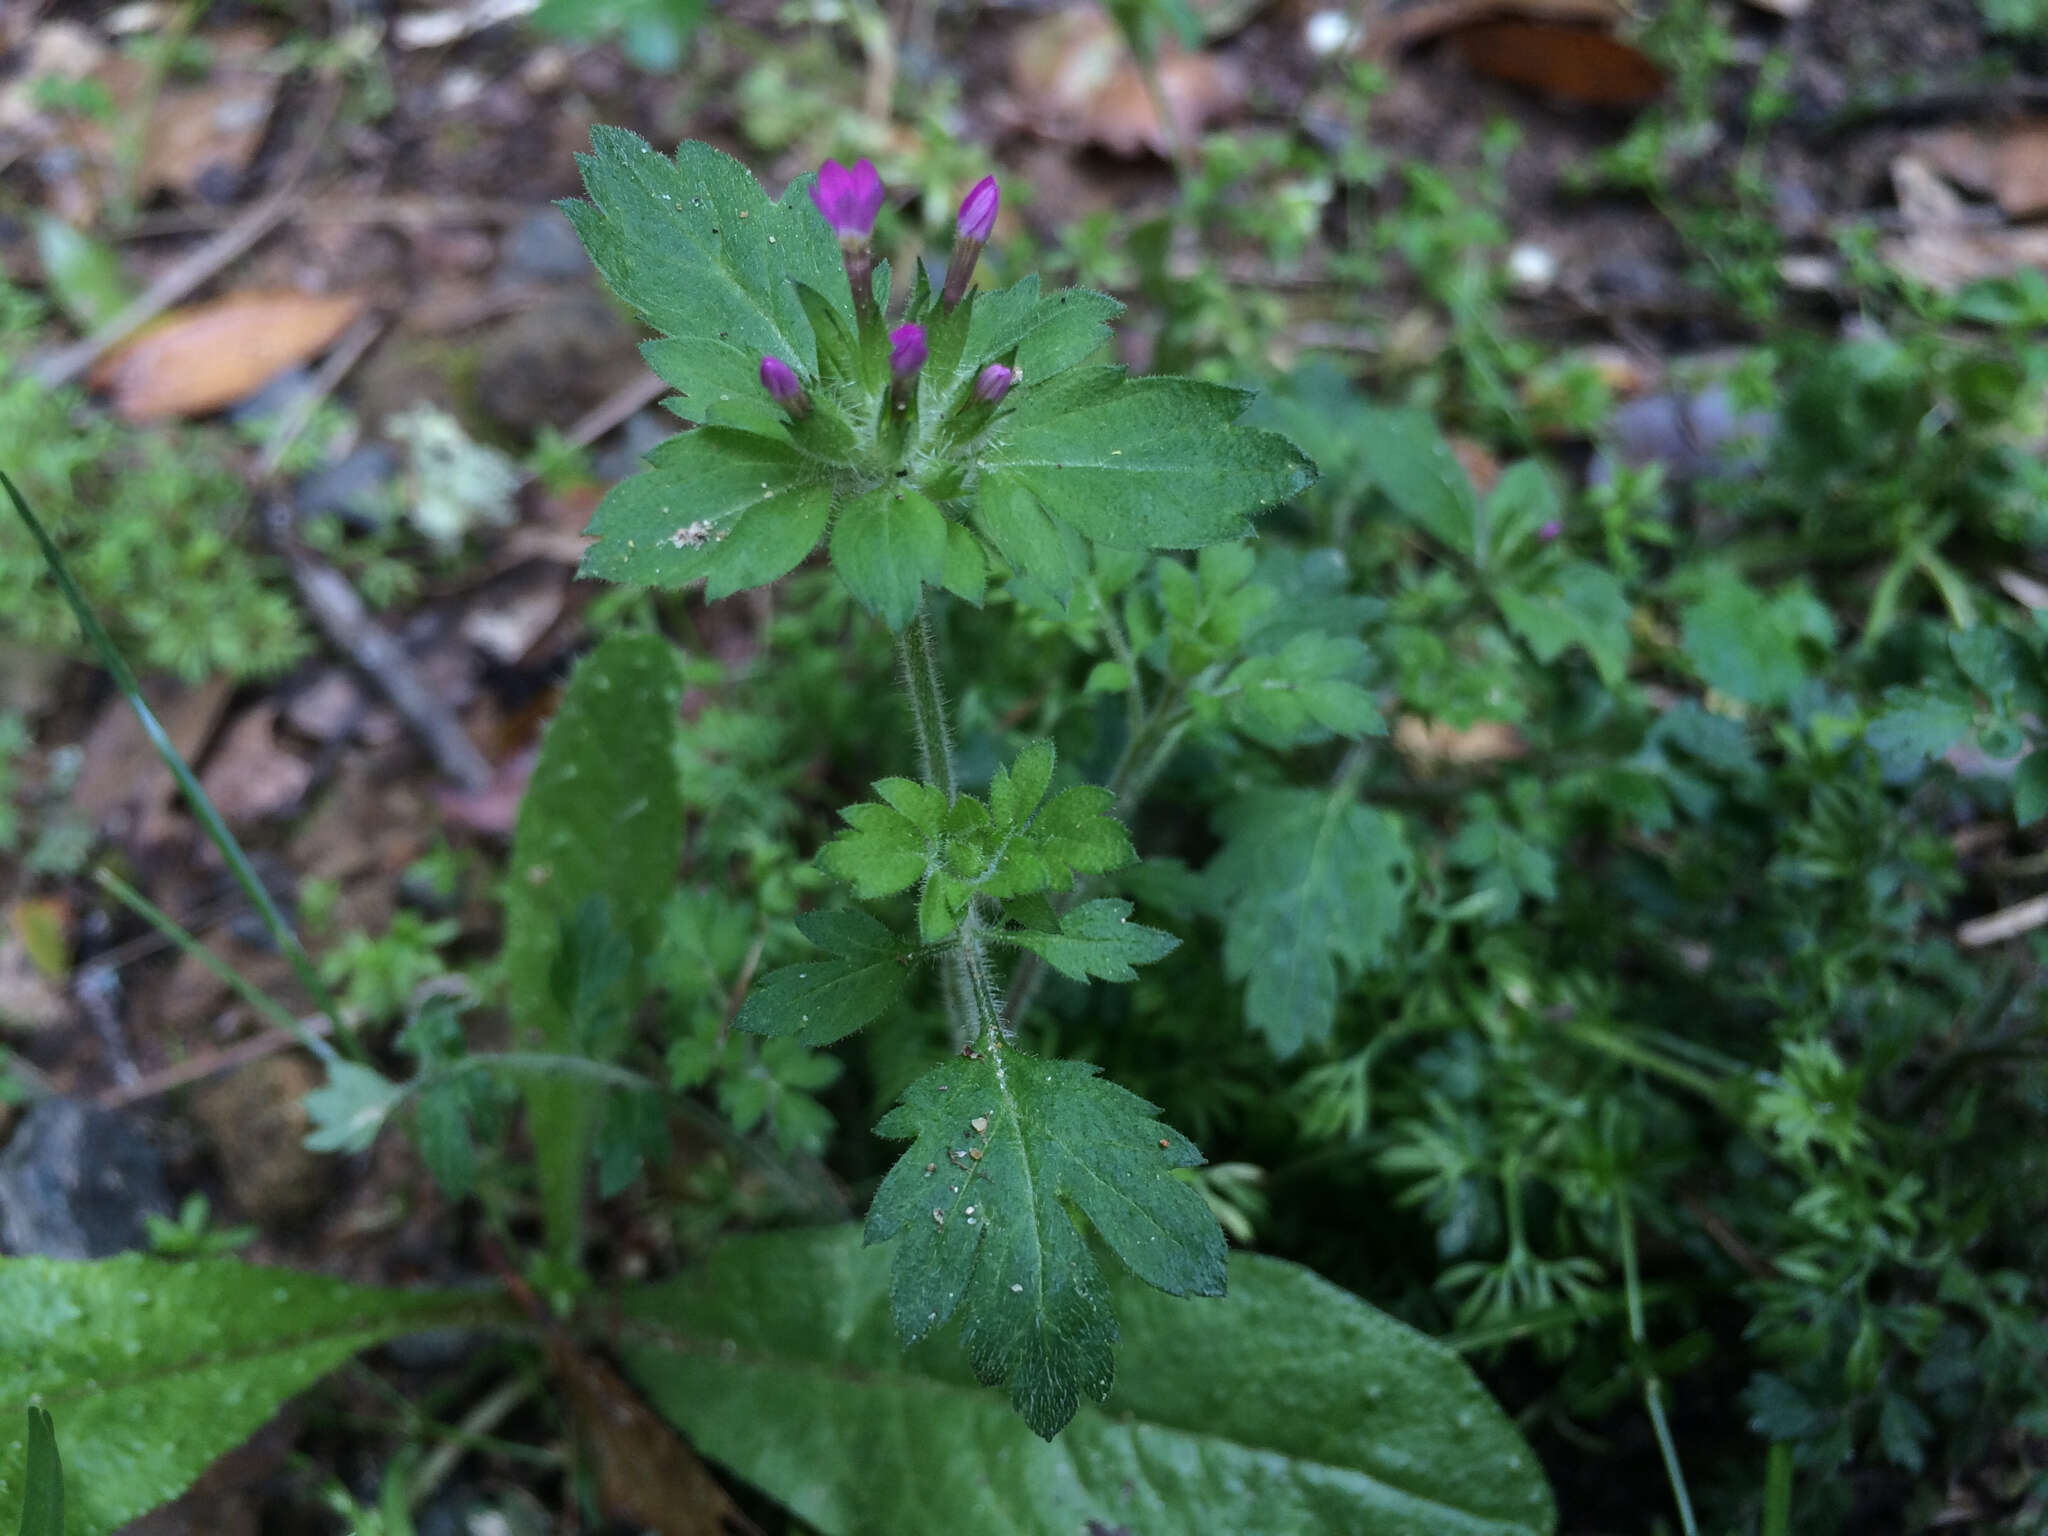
(151, 523)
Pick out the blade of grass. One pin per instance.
(1778, 1490)
(209, 818)
(167, 925)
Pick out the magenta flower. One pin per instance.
(1550, 530)
(783, 386)
(849, 199)
(907, 351)
(978, 210)
(993, 382)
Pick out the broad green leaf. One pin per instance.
(1305, 880)
(1141, 463)
(349, 1109)
(978, 1208)
(695, 246)
(1097, 938)
(157, 1368)
(83, 275)
(823, 1000)
(1026, 536)
(1047, 332)
(1286, 1408)
(769, 542)
(602, 818)
(888, 546)
(42, 1501)
(720, 384)
(672, 523)
(1306, 688)
(1577, 604)
(1917, 724)
(1408, 459)
(1748, 644)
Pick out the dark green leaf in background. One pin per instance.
(822, 1000)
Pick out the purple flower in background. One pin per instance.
(783, 386)
(978, 210)
(849, 199)
(993, 382)
(907, 351)
(1550, 530)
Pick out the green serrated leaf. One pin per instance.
(1015, 791)
(881, 852)
(668, 525)
(42, 1501)
(1576, 604)
(1748, 644)
(769, 542)
(1286, 1408)
(602, 818)
(1917, 724)
(1306, 880)
(157, 1368)
(887, 546)
(965, 573)
(1075, 834)
(822, 1000)
(978, 1206)
(1306, 688)
(1153, 463)
(349, 1109)
(1025, 535)
(1098, 939)
(694, 245)
(1407, 458)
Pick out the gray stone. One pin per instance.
(76, 1182)
(542, 248)
(355, 488)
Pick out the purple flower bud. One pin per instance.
(849, 199)
(1550, 530)
(907, 351)
(978, 210)
(993, 382)
(784, 388)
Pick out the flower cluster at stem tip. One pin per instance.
(850, 197)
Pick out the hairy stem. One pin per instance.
(928, 706)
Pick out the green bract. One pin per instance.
(920, 487)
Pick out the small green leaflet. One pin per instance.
(42, 1503)
(1017, 844)
(1917, 724)
(1408, 459)
(888, 546)
(1579, 604)
(820, 1001)
(1304, 690)
(1002, 1141)
(1097, 939)
(1305, 880)
(1140, 463)
(1748, 644)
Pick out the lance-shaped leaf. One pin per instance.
(978, 1207)
(1287, 1408)
(822, 1000)
(695, 246)
(1097, 938)
(42, 1503)
(1306, 879)
(154, 1369)
(726, 506)
(1141, 463)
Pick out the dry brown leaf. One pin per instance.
(1581, 65)
(1925, 200)
(251, 776)
(1479, 464)
(2020, 170)
(1075, 80)
(1431, 744)
(1433, 18)
(200, 358)
(646, 1475)
(1946, 259)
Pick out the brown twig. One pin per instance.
(199, 1068)
(196, 267)
(346, 622)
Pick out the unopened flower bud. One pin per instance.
(1550, 530)
(993, 382)
(784, 388)
(907, 351)
(978, 211)
(977, 222)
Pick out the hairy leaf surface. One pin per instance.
(1001, 1141)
